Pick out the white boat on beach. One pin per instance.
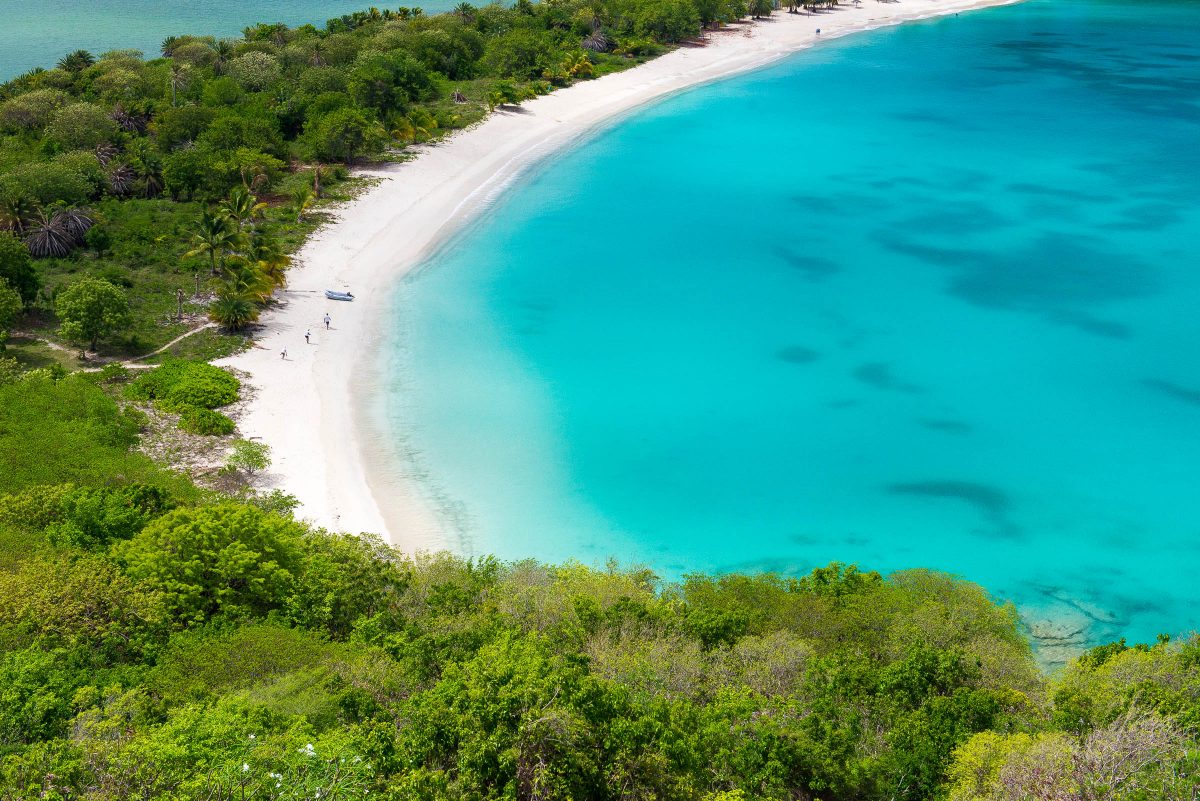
(333, 294)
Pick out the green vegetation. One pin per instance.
(160, 642)
(89, 309)
(184, 180)
(192, 390)
(249, 456)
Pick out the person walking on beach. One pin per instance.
(326, 322)
(306, 334)
(283, 353)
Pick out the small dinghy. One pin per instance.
(334, 295)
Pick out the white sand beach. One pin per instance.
(309, 406)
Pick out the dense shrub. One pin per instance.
(182, 385)
(54, 431)
(206, 422)
(227, 560)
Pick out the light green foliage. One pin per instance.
(204, 663)
(46, 182)
(16, 268)
(32, 110)
(53, 431)
(192, 390)
(228, 560)
(246, 752)
(249, 456)
(520, 53)
(80, 126)
(84, 602)
(36, 689)
(11, 307)
(89, 518)
(1137, 756)
(254, 71)
(89, 309)
(667, 20)
(976, 772)
(179, 385)
(345, 133)
(205, 422)
(1110, 680)
(85, 163)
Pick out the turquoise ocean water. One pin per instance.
(926, 296)
(38, 34)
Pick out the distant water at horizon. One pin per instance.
(39, 34)
(920, 297)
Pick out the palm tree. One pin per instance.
(77, 61)
(598, 41)
(216, 237)
(224, 51)
(316, 57)
(147, 165)
(178, 78)
(242, 206)
(269, 257)
(302, 200)
(106, 152)
(128, 121)
(466, 11)
(246, 279)
(16, 212)
(168, 46)
(75, 221)
(233, 310)
(50, 237)
(120, 179)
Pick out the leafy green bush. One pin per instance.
(54, 431)
(204, 389)
(210, 661)
(206, 422)
(182, 386)
(227, 560)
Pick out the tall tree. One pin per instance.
(215, 236)
(89, 309)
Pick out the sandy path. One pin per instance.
(308, 407)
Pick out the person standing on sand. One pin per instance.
(283, 353)
(326, 322)
(306, 334)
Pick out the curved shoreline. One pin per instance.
(311, 407)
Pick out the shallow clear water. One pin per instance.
(920, 297)
(38, 34)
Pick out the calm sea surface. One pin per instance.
(928, 296)
(37, 34)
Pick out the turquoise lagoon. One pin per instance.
(39, 34)
(926, 296)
